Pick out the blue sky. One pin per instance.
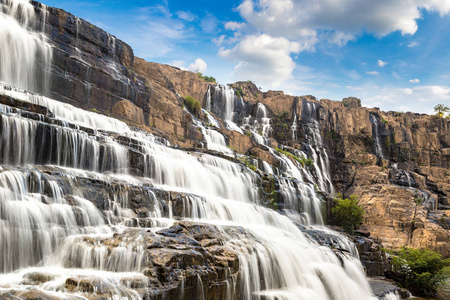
(391, 54)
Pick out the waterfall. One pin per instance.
(376, 135)
(222, 104)
(294, 128)
(49, 219)
(314, 139)
(259, 125)
(261, 114)
(25, 54)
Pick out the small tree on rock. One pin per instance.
(347, 213)
(441, 109)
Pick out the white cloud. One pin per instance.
(263, 58)
(413, 44)
(381, 63)
(346, 18)
(209, 23)
(414, 80)
(199, 65)
(218, 41)
(234, 25)
(341, 38)
(186, 15)
(372, 73)
(179, 64)
(305, 23)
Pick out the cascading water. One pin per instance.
(260, 127)
(376, 135)
(294, 128)
(223, 193)
(82, 196)
(319, 154)
(25, 54)
(222, 104)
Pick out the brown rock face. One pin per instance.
(129, 111)
(394, 215)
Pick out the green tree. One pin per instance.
(193, 105)
(424, 270)
(441, 109)
(347, 213)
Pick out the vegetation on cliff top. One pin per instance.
(423, 270)
(441, 110)
(206, 78)
(347, 213)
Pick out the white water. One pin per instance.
(25, 54)
(294, 128)
(318, 152)
(259, 125)
(376, 136)
(213, 139)
(227, 194)
(222, 102)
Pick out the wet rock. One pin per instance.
(37, 278)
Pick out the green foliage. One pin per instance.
(384, 121)
(282, 115)
(206, 78)
(347, 213)
(424, 270)
(441, 109)
(193, 105)
(387, 142)
(239, 93)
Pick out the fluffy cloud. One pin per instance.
(199, 65)
(414, 80)
(372, 73)
(349, 17)
(301, 24)
(381, 63)
(263, 58)
(234, 25)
